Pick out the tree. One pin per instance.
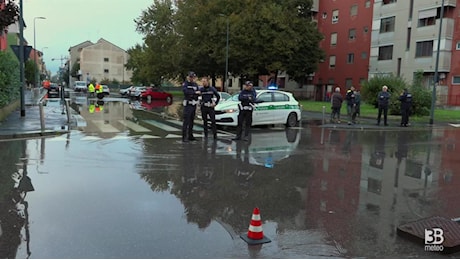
(30, 68)
(9, 78)
(8, 15)
(421, 97)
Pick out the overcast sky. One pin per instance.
(70, 22)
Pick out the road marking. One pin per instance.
(148, 136)
(173, 136)
(135, 127)
(195, 127)
(90, 138)
(162, 126)
(455, 125)
(120, 137)
(105, 128)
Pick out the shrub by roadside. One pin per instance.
(9, 78)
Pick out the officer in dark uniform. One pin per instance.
(247, 97)
(207, 106)
(406, 103)
(191, 93)
(383, 101)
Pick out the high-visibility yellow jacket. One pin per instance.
(91, 88)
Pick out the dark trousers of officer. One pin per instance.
(187, 124)
(405, 111)
(244, 119)
(205, 112)
(383, 109)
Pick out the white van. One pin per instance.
(80, 86)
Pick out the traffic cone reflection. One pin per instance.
(255, 234)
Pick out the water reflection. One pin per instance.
(14, 186)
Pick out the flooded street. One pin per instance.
(115, 190)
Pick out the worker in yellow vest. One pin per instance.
(99, 91)
(91, 89)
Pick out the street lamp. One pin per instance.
(436, 80)
(35, 53)
(226, 56)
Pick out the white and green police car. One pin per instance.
(277, 107)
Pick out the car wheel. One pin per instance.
(168, 99)
(291, 120)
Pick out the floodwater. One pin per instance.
(322, 193)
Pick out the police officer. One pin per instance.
(207, 106)
(406, 103)
(247, 97)
(191, 93)
(383, 100)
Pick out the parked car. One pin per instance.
(156, 93)
(80, 86)
(136, 92)
(124, 92)
(105, 90)
(277, 107)
(53, 90)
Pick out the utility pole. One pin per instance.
(21, 58)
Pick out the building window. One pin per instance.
(352, 34)
(456, 80)
(354, 10)
(363, 55)
(350, 58)
(424, 49)
(106, 70)
(386, 52)
(385, 2)
(348, 82)
(365, 29)
(409, 36)
(367, 4)
(335, 16)
(387, 24)
(324, 15)
(457, 46)
(106, 59)
(427, 21)
(332, 61)
(333, 39)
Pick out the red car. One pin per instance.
(156, 93)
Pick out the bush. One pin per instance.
(421, 100)
(9, 78)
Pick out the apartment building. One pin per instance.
(405, 40)
(100, 60)
(346, 27)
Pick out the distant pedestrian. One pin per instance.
(208, 93)
(191, 93)
(91, 89)
(358, 104)
(406, 104)
(351, 105)
(336, 105)
(383, 101)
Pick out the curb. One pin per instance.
(31, 134)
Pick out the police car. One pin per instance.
(277, 107)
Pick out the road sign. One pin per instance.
(27, 50)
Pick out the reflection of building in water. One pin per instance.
(365, 184)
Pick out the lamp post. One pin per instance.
(35, 53)
(226, 55)
(436, 80)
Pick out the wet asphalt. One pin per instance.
(103, 188)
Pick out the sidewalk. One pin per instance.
(54, 113)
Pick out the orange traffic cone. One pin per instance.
(255, 234)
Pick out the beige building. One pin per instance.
(99, 61)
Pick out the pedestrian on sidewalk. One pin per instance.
(191, 93)
(383, 101)
(207, 106)
(336, 105)
(406, 104)
(351, 105)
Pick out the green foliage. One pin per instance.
(9, 78)
(421, 100)
(105, 81)
(8, 15)
(263, 36)
(115, 82)
(372, 87)
(29, 71)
